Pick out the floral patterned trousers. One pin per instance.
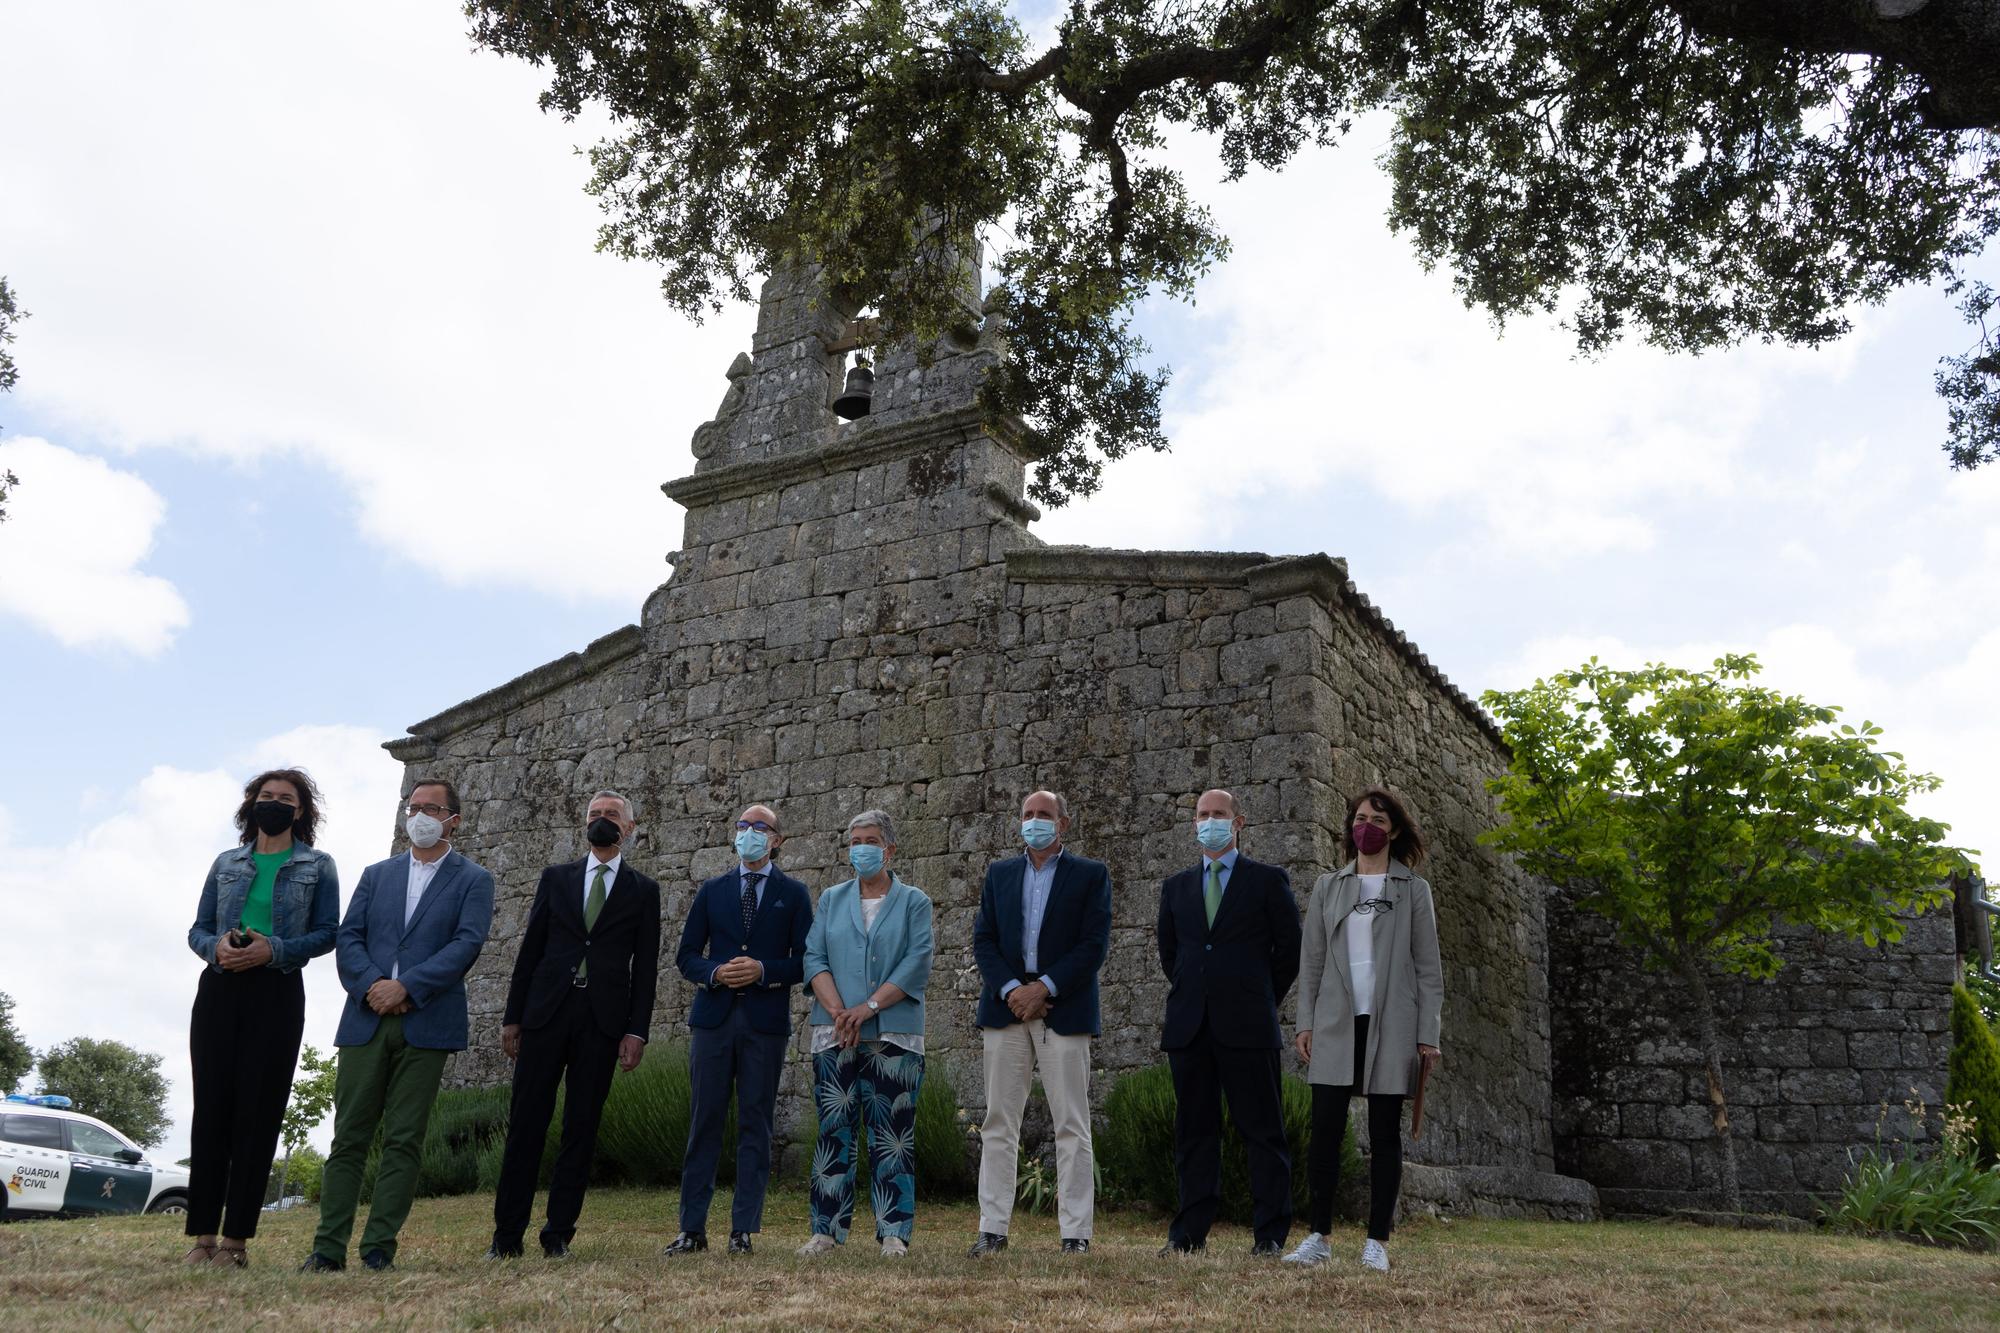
(879, 1082)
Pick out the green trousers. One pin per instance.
(392, 1084)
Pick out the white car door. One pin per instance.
(35, 1160)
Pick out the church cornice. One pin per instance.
(422, 741)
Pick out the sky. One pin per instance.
(330, 416)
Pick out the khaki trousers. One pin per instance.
(1014, 1056)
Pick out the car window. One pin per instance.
(91, 1141)
(37, 1131)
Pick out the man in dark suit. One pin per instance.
(580, 1002)
(414, 927)
(1043, 929)
(1229, 943)
(744, 948)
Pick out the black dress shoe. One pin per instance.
(555, 1249)
(1075, 1245)
(1170, 1249)
(688, 1242)
(989, 1242)
(739, 1242)
(377, 1261)
(319, 1263)
(1267, 1249)
(498, 1251)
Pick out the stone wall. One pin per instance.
(859, 617)
(1812, 1057)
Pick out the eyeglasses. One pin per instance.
(1374, 905)
(757, 824)
(434, 811)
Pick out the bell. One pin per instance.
(859, 393)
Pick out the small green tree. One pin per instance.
(16, 1059)
(108, 1079)
(312, 1098)
(10, 312)
(1696, 811)
(1973, 1081)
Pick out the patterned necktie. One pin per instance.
(592, 907)
(750, 883)
(1212, 895)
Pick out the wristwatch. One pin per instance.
(874, 1008)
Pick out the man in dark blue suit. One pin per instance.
(414, 927)
(1229, 942)
(744, 948)
(1043, 929)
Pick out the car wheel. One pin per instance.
(173, 1201)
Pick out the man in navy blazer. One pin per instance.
(580, 1003)
(1043, 929)
(414, 927)
(1229, 942)
(743, 948)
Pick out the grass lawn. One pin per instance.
(121, 1272)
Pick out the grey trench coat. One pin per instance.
(1409, 980)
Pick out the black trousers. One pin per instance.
(1385, 1146)
(243, 1041)
(571, 1052)
(1205, 1072)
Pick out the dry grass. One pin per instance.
(121, 1273)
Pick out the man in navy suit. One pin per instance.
(413, 928)
(580, 1003)
(1229, 943)
(1043, 929)
(744, 948)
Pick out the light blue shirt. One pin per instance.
(763, 878)
(1036, 885)
(1228, 863)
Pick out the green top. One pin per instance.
(257, 907)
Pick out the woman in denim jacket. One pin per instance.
(868, 957)
(268, 906)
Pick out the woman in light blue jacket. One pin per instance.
(269, 904)
(868, 957)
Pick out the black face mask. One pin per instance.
(273, 817)
(603, 832)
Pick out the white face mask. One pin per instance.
(423, 830)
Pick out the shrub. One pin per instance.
(1135, 1144)
(942, 1168)
(463, 1122)
(1947, 1198)
(1973, 1083)
(642, 1139)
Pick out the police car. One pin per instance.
(54, 1160)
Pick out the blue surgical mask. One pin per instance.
(1038, 833)
(866, 858)
(752, 844)
(1215, 834)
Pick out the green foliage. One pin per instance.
(942, 1169)
(312, 1098)
(1680, 172)
(1985, 993)
(1947, 1198)
(300, 1172)
(108, 1079)
(10, 312)
(465, 1124)
(642, 1139)
(1696, 811)
(1135, 1144)
(16, 1058)
(1973, 1081)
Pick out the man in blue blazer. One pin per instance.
(1043, 929)
(413, 928)
(743, 948)
(1229, 942)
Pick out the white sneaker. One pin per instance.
(1375, 1255)
(893, 1248)
(1312, 1250)
(820, 1244)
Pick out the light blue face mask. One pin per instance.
(1038, 833)
(752, 844)
(866, 858)
(1215, 834)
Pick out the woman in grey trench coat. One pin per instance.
(1371, 996)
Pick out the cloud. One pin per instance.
(74, 539)
(100, 912)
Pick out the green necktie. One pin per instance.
(592, 906)
(1212, 895)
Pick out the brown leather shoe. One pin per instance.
(199, 1255)
(230, 1256)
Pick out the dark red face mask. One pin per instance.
(1370, 838)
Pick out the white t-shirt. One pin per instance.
(1361, 945)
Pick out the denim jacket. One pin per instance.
(305, 905)
(898, 950)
